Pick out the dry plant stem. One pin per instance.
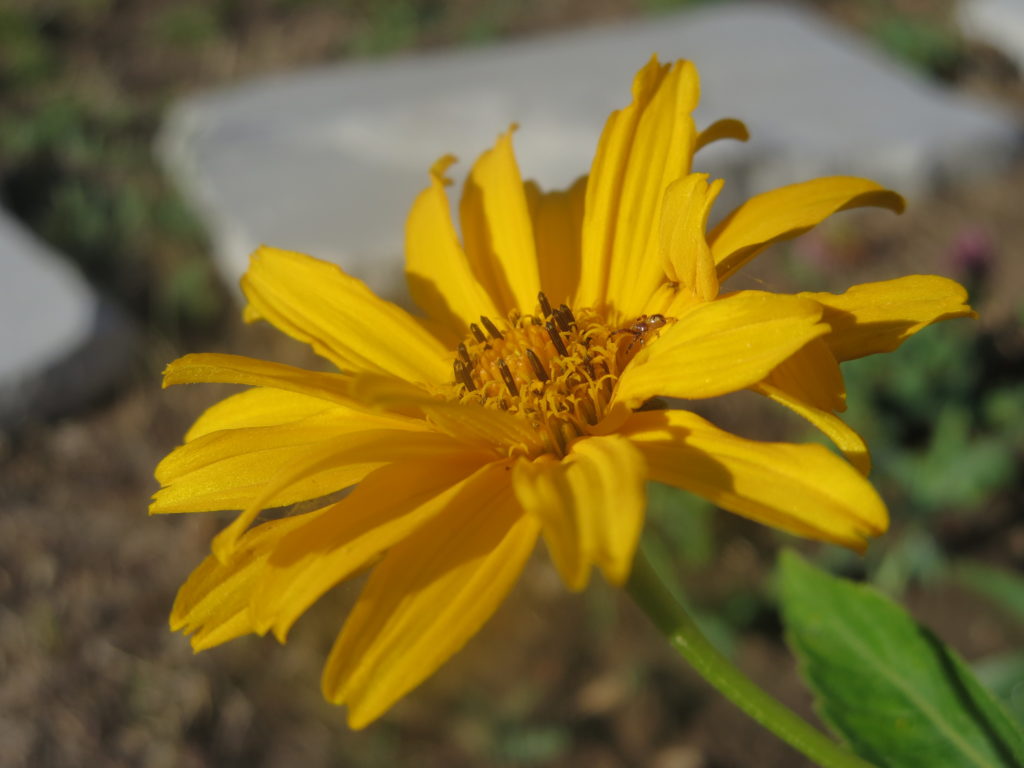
(661, 606)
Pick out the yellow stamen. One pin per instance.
(556, 368)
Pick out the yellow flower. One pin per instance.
(513, 410)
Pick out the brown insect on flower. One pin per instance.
(641, 330)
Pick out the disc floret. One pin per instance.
(556, 368)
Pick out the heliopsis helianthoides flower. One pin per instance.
(514, 407)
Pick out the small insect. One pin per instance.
(640, 330)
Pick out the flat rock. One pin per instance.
(61, 345)
(327, 161)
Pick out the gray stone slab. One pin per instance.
(60, 344)
(999, 23)
(328, 161)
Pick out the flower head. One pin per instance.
(513, 409)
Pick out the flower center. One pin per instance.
(556, 368)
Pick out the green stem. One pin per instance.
(661, 606)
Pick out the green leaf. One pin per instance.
(897, 694)
(1003, 674)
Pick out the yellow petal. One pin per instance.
(726, 128)
(812, 376)
(429, 595)
(213, 604)
(656, 152)
(316, 302)
(803, 489)
(835, 429)
(604, 186)
(260, 407)
(212, 368)
(668, 296)
(878, 317)
(557, 224)
(227, 470)
(661, 153)
(684, 251)
(590, 506)
(230, 469)
(497, 230)
(321, 464)
(436, 268)
(384, 509)
(366, 394)
(472, 423)
(721, 346)
(787, 212)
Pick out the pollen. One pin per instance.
(556, 368)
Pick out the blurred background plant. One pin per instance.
(83, 86)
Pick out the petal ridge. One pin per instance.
(720, 346)
(497, 229)
(439, 275)
(878, 317)
(424, 601)
(804, 489)
(387, 507)
(316, 302)
(787, 212)
(590, 506)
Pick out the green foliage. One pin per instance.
(944, 417)
(889, 686)
(1003, 674)
(188, 24)
(678, 537)
(390, 26)
(1003, 588)
(531, 744)
(911, 554)
(657, 6)
(76, 162)
(25, 55)
(1005, 407)
(924, 44)
(487, 21)
(683, 522)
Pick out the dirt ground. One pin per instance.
(90, 674)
